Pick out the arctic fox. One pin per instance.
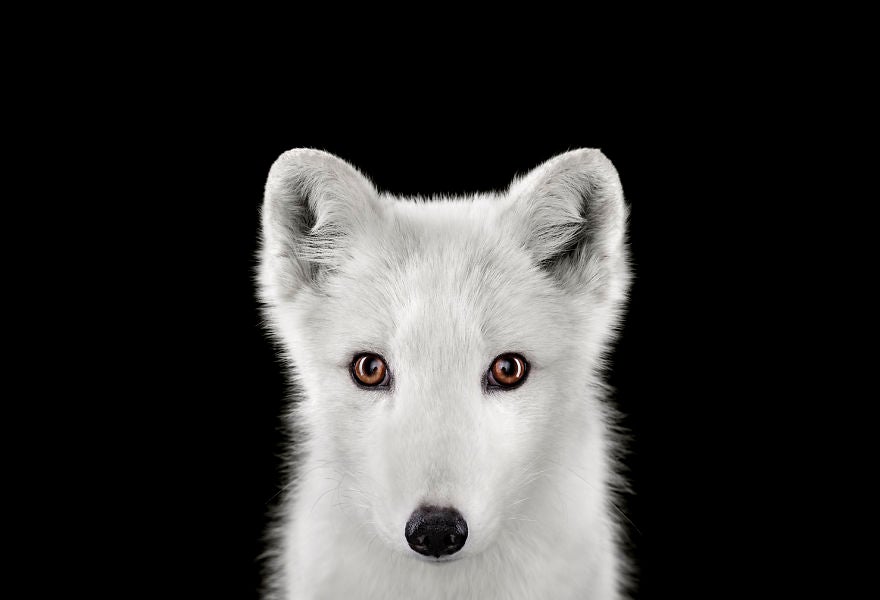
(451, 438)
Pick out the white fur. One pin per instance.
(439, 288)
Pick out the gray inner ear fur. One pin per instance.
(570, 215)
(313, 202)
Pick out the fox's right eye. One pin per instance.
(370, 370)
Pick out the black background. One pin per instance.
(217, 391)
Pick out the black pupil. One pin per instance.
(372, 365)
(506, 366)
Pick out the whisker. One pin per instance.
(323, 464)
(610, 501)
(324, 494)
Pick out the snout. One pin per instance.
(435, 531)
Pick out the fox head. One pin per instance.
(445, 350)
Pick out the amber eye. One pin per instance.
(508, 371)
(370, 370)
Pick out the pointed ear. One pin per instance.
(570, 215)
(314, 201)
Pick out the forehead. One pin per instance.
(443, 272)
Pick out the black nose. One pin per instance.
(435, 531)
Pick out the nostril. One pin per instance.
(436, 531)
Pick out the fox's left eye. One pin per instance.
(507, 372)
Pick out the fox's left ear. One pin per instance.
(570, 215)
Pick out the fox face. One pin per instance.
(438, 345)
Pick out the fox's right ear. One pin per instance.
(314, 201)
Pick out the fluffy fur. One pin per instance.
(439, 288)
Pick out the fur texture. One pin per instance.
(439, 288)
